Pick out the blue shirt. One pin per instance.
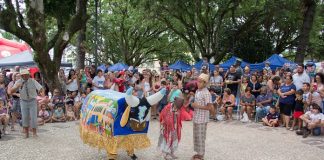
(289, 99)
(264, 97)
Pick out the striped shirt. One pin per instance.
(202, 97)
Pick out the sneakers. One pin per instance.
(299, 132)
(133, 157)
(5, 132)
(306, 132)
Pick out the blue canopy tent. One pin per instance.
(102, 67)
(180, 65)
(118, 67)
(227, 64)
(277, 61)
(198, 66)
(257, 66)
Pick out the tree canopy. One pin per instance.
(141, 31)
(44, 25)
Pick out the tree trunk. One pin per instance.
(49, 70)
(81, 48)
(309, 7)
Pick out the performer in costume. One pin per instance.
(112, 120)
(170, 125)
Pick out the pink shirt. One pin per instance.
(202, 97)
(43, 114)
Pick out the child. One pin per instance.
(164, 100)
(58, 115)
(299, 110)
(70, 114)
(42, 98)
(306, 90)
(4, 116)
(216, 101)
(271, 119)
(43, 115)
(312, 119)
(69, 100)
(57, 98)
(275, 99)
(170, 124)
(243, 85)
(77, 99)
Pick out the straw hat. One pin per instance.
(204, 77)
(24, 71)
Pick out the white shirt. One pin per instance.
(99, 81)
(300, 79)
(73, 86)
(313, 117)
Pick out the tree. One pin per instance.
(316, 43)
(81, 40)
(129, 35)
(308, 10)
(263, 28)
(45, 25)
(199, 23)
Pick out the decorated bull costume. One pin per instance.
(112, 120)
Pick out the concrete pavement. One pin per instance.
(225, 141)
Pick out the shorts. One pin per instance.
(285, 108)
(297, 114)
(16, 105)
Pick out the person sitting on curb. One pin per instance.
(58, 115)
(43, 115)
(312, 119)
(271, 119)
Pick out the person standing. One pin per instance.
(300, 77)
(232, 80)
(28, 88)
(202, 105)
(15, 99)
(287, 100)
(170, 128)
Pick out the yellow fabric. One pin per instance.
(112, 143)
(125, 117)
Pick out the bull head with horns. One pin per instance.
(137, 112)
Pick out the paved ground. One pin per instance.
(225, 141)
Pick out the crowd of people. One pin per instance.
(288, 97)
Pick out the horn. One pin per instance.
(131, 100)
(155, 98)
